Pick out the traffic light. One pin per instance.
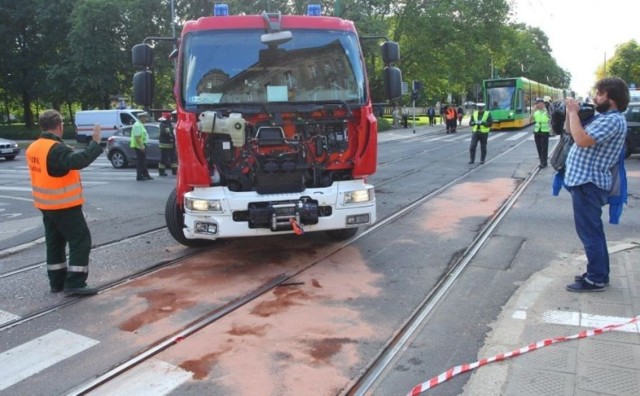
(417, 87)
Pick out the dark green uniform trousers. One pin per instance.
(61, 227)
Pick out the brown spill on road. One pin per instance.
(444, 214)
(306, 335)
(291, 341)
(149, 305)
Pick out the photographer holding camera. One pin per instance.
(588, 175)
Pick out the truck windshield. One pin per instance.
(233, 67)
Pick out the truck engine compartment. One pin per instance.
(282, 154)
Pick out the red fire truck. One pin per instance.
(275, 128)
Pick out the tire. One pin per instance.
(341, 235)
(174, 217)
(118, 159)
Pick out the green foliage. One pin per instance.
(22, 132)
(71, 54)
(626, 63)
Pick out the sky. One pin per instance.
(583, 34)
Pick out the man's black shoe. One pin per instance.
(141, 178)
(148, 178)
(56, 289)
(470, 162)
(80, 291)
(580, 278)
(584, 286)
(481, 162)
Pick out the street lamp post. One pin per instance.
(173, 22)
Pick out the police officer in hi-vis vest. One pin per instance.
(57, 192)
(541, 131)
(480, 127)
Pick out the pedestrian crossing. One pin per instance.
(32, 357)
(15, 174)
(507, 136)
(24, 361)
(461, 135)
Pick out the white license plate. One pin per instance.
(6, 151)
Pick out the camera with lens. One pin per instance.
(558, 114)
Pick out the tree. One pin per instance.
(29, 48)
(626, 62)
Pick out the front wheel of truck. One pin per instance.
(174, 217)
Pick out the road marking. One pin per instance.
(6, 317)
(153, 377)
(588, 320)
(517, 136)
(34, 356)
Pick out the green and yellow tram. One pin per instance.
(511, 100)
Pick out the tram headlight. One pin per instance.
(203, 205)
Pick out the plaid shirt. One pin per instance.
(593, 164)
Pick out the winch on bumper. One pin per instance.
(217, 212)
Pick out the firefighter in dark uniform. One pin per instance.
(167, 144)
(57, 192)
(480, 127)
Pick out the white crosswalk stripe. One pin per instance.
(153, 377)
(34, 356)
(6, 317)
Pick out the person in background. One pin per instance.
(431, 114)
(480, 127)
(167, 145)
(541, 130)
(451, 118)
(460, 114)
(57, 193)
(439, 109)
(405, 116)
(139, 138)
(588, 176)
(395, 113)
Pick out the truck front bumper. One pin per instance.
(344, 204)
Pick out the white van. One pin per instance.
(109, 120)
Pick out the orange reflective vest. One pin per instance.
(51, 193)
(451, 114)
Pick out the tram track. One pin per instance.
(386, 357)
(158, 266)
(394, 348)
(283, 279)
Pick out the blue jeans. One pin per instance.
(588, 200)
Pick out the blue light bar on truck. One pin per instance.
(220, 9)
(314, 10)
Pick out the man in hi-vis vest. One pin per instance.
(57, 192)
(480, 127)
(541, 131)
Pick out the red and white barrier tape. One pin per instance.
(452, 372)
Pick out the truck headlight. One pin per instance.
(358, 196)
(203, 205)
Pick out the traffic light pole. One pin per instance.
(414, 116)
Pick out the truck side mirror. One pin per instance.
(142, 55)
(390, 51)
(143, 88)
(392, 77)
